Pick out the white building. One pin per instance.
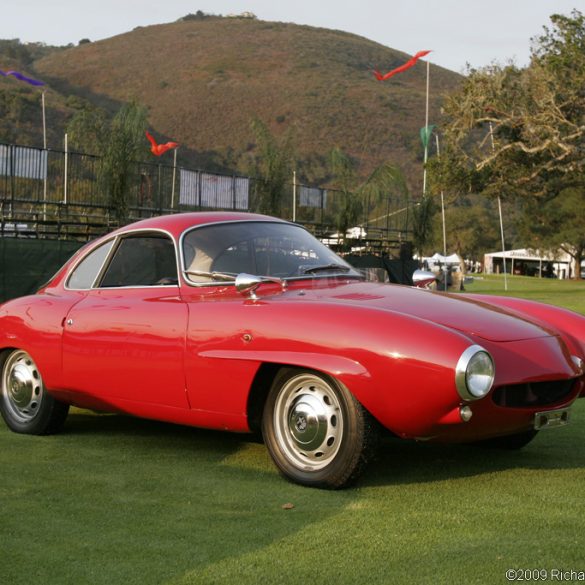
(530, 263)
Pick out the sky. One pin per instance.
(459, 32)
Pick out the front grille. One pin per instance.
(533, 393)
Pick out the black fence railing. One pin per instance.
(56, 194)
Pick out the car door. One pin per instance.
(125, 341)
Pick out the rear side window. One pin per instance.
(145, 260)
(88, 269)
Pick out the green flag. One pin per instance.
(425, 135)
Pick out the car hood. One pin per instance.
(450, 310)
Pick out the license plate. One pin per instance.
(551, 418)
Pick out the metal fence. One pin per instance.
(50, 193)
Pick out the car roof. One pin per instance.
(177, 223)
(174, 224)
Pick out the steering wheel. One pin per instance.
(167, 281)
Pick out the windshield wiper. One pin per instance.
(320, 267)
(213, 275)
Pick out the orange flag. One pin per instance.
(402, 68)
(158, 149)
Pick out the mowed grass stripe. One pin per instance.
(120, 500)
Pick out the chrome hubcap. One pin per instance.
(308, 422)
(22, 387)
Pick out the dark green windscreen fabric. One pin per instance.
(26, 264)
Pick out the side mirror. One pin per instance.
(247, 284)
(423, 278)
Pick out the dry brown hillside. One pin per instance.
(204, 80)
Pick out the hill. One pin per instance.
(20, 103)
(203, 81)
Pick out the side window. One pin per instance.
(144, 260)
(87, 270)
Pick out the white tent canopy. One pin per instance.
(452, 259)
(562, 264)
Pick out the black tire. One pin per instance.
(25, 405)
(509, 442)
(317, 433)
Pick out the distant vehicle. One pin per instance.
(244, 322)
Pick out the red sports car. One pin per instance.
(245, 322)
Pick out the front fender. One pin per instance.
(337, 366)
(570, 326)
(401, 368)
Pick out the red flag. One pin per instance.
(158, 149)
(402, 68)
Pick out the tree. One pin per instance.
(520, 132)
(119, 144)
(272, 168)
(355, 198)
(472, 226)
(125, 145)
(557, 224)
(88, 130)
(348, 200)
(423, 232)
(470, 217)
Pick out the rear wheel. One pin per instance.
(24, 404)
(317, 433)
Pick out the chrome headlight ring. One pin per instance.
(579, 364)
(474, 373)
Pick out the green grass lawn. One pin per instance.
(121, 500)
(564, 293)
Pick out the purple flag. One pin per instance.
(22, 77)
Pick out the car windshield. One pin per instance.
(217, 252)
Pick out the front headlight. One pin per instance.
(474, 374)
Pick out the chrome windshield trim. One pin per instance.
(188, 230)
(286, 279)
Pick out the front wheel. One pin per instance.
(24, 404)
(317, 433)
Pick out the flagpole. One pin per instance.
(442, 214)
(294, 201)
(174, 177)
(426, 126)
(44, 121)
(442, 202)
(66, 171)
(501, 219)
(503, 243)
(45, 157)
